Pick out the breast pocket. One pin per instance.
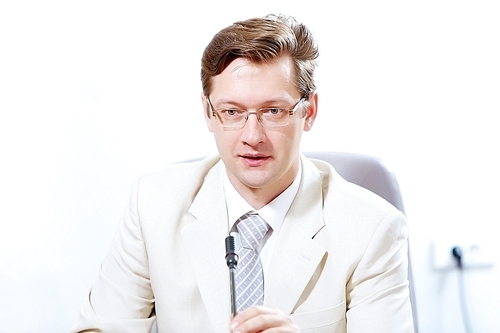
(330, 320)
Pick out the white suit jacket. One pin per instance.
(340, 262)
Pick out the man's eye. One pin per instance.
(274, 111)
(231, 112)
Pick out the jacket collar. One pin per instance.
(297, 254)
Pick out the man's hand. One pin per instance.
(261, 319)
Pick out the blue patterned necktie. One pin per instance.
(249, 278)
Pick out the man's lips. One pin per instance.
(254, 159)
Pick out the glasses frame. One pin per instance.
(291, 112)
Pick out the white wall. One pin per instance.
(95, 93)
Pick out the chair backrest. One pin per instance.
(366, 171)
(371, 173)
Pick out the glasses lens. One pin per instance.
(231, 117)
(274, 117)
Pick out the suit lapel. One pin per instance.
(203, 237)
(297, 255)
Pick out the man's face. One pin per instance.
(259, 159)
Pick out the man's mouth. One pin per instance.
(254, 160)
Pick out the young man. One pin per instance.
(333, 257)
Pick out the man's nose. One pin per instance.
(253, 131)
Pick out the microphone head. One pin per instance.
(230, 247)
(231, 256)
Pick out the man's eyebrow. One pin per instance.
(269, 102)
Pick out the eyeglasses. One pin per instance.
(268, 117)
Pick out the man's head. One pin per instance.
(262, 40)
(259, 96)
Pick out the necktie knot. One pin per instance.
(252, 229)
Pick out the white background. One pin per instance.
(95, 93)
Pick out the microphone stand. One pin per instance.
(232, 261)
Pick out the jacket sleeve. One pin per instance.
(377, 293)
(121, 300)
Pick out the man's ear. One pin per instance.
(206, 112)
(311, 111)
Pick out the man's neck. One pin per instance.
(259, 197)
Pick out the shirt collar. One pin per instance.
(273, 213)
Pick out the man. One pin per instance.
(333, 257)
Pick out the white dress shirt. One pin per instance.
(273, 213)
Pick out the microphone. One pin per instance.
(231, 256)
(231, 261)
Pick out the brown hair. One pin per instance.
(263, 40)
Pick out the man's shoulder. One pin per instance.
(339, 192)
(180, 174)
